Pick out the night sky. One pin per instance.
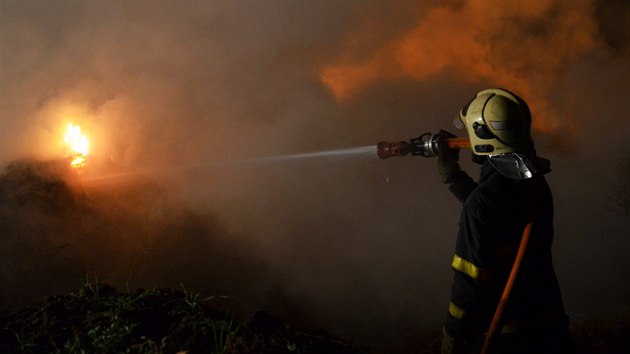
(170, 92)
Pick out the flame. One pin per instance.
(79, 145)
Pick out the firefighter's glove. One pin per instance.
(448, 158)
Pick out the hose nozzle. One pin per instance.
(386, 149)
(427, 145)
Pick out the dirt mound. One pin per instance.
(98, 319)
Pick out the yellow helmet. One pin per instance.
(497, 122)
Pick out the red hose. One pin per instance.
(458, 143)
(508, 288)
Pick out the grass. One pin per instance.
(110, 322)
(192, 298)
(223, 332)
(98, 319)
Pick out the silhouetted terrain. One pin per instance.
(97, 319)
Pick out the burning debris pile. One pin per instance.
(97, 319)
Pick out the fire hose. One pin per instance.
(507, 290)
(427, 145)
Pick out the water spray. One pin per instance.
(339, 153)
(362, 152)
(427, 145)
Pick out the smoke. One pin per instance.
(168, 91)
(58, 231)
(524, 46)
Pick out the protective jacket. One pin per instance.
(494, 214)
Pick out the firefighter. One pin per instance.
(510, 193)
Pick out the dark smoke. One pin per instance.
(360, 247)
(614, 18)
(57, 232)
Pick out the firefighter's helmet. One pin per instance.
(497, 122)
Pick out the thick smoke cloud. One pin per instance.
(524, 46)
(169, 93)
(57, 231)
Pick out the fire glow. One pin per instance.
(79, 145)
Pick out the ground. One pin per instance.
(99, 319)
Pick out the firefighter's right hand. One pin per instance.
(448, 158)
